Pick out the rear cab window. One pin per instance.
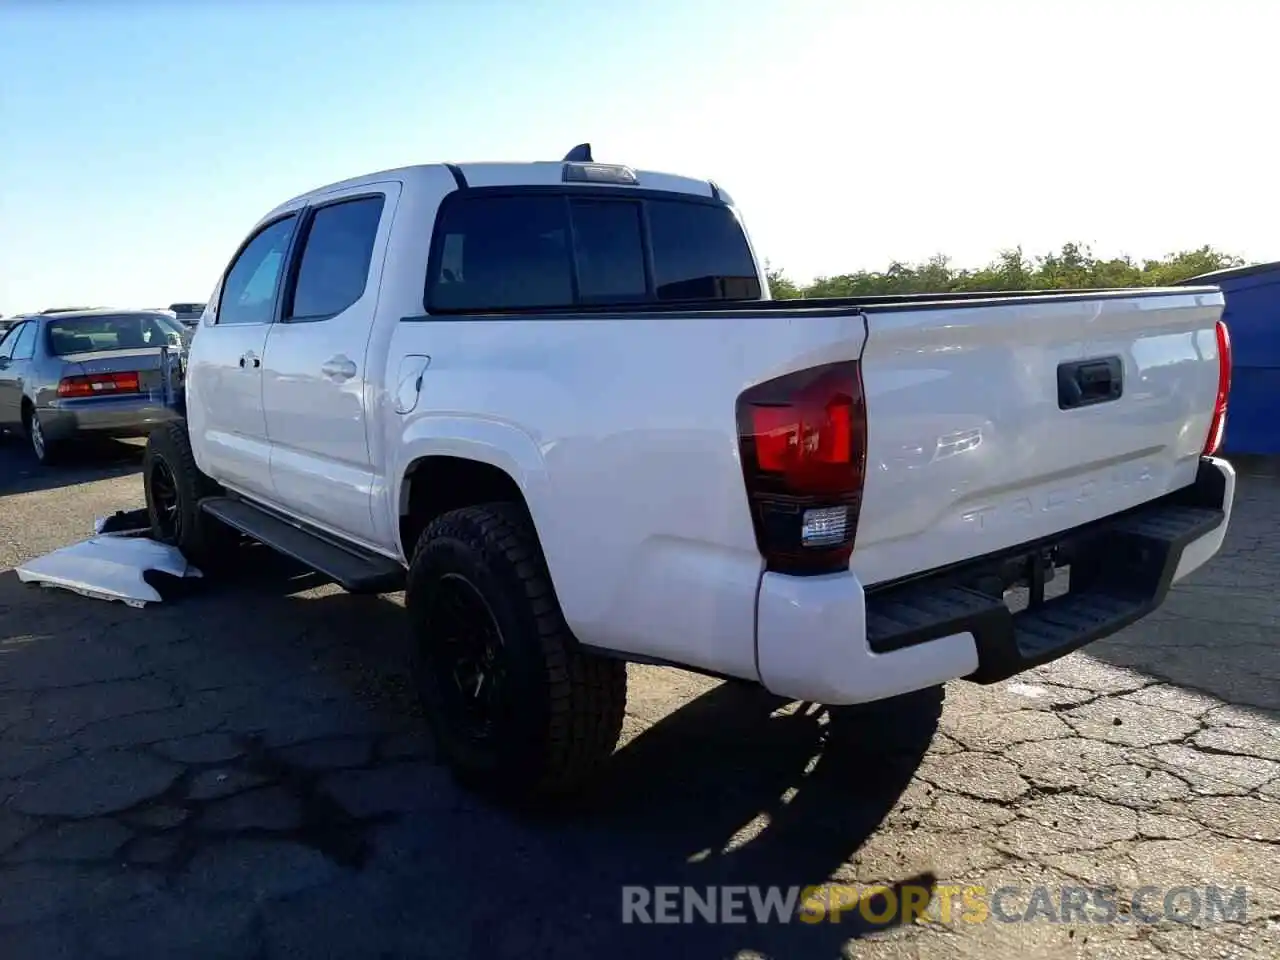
(529, 249)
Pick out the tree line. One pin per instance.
(1072, 267)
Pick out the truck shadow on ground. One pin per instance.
(84, 462)
(1216, 631)
(726, 789)
(732, 788)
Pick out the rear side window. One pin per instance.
(8, 340)
(528, 251)
(25, 346)
(336, 256)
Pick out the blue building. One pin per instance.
(1253, 318)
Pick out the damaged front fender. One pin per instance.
(109, 567)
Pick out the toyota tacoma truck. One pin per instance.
(555, 404)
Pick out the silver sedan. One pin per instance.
(99, 372)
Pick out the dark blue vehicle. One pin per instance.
(1253, 317)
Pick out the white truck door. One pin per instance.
(224, 381)
(316, 382)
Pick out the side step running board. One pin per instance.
(355, 570)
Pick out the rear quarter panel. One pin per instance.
(621, 432)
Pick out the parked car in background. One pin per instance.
(187, 330)
(188, 314)
(572, 423)
(66, 375)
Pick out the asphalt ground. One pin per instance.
(243, 772)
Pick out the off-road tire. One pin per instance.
(203, 540)
(560, 711)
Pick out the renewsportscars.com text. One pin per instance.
(944, 903)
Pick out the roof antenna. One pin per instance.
(579, 154)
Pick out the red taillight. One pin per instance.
(1218, 425)
(803, 441)
(98, 384)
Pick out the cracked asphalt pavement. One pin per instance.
(242, 772)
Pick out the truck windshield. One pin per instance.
(129, 331)
(515, 251)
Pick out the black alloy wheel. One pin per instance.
(164, 497)
(467, 657)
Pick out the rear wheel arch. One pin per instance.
(435, 484)
(46, 451)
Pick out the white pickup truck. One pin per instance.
(555, 404)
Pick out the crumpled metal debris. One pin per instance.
(111, 565)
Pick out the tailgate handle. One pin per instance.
(1083, 383)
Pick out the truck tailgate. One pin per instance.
(992, 423)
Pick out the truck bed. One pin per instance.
(628, 420)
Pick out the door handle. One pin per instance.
(249, 360)
(339, 368)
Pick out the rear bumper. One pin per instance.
(826, 639)
(113, 416)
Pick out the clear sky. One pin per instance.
(139, 139)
